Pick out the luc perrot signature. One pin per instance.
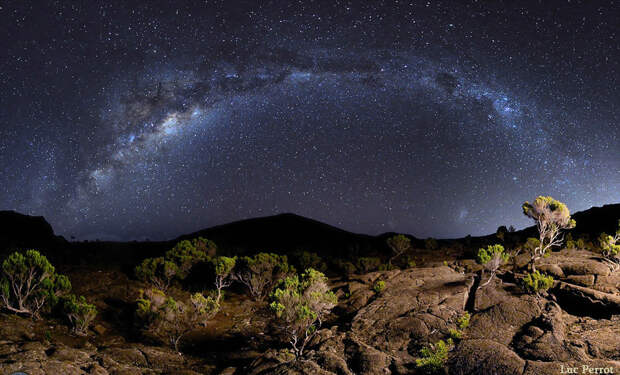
(586, 369)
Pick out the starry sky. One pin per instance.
(130, 120)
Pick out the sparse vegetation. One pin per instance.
(29, 282)
(168, 319)
(261, 273)
(455, 334)
(463, 321)
(537, 283)
(187, 253)
(399, 244)
(492, 258)
(379, 286)
(551, 217)
(300, 303)
(79, 312)
(434, 357)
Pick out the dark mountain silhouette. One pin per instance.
(288, 232)
(283, 233)
(24, 231)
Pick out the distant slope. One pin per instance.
(288, 232)
(24, 231)
(282, 233)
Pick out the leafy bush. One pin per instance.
(492, 258)
(261, 273)
(300, 304)
(157, 271)
(434, 357)
(368, 264)
(304, 260)
(537, 283)
(455, 334)
(176, 263)
(399, 244)
(463, 321)
(551, 217)
(80, 313)
(29, 282)
(580, 244)
(187, 253)
(379, 286)
(168, 319)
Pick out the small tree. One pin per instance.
(399, 244)
(80, 313)
(300, 304)
(29, 281)
(169, 319)
(261, 273)
(492, 258)
(610, 248)
(551, 217)
(223, 267)
(157, 271)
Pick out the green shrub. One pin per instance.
(463, 321)
(79, 312)
(29, 283)
(580, 244)
(169, 320)
(157, 271)
(187, 253)
(434, 357)
(299, 305)
(379, 286)
(610, 248)
(455, 334)
(261, 273)
(368, 264)
(537, 283)
(176, 263)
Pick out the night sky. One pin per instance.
(123, 121)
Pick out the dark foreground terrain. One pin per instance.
(576, 324)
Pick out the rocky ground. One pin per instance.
(510, 332)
